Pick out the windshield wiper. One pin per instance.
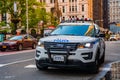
(54, 34)
(65, 34)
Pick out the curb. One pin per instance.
(110, 71)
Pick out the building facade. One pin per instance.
(92, 9)
(6, 18)
(114, 11)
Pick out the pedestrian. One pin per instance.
(107, 35)
(63, 19)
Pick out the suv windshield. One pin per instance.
(77, 30)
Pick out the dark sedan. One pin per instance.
(18, 42)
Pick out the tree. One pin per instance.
(34, 8)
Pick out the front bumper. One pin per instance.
(9, 47)
(84, 55)
(77, 64)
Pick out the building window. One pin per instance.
(72, 0)
(73, 9)
(42, 1)
(70, 8)
(4, 17)
(82, 7)
(63, 9)
(52, 1)
(52, 10)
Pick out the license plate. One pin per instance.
(58, 58)
(3, 46)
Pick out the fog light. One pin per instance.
(87, 56)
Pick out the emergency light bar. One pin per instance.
(77, 20)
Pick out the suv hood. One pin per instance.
(64, 38)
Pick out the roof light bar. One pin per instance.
(78, 20)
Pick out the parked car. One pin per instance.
(114, 37)
(18, 42)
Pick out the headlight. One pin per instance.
(41, 44)
(88, 45)
(85, 45)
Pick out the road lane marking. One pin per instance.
(2, 65)
(11, 53)
(30, 66)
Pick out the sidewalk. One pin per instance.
(109, 71)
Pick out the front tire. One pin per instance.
(97, 62)
(3, 50)
(20, 47)
(96, 67)
(39, 67)
(102, 60)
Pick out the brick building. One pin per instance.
(81, 8)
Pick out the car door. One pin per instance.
(30, 41)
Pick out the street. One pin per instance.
(21, 66)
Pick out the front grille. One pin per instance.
(55, 46)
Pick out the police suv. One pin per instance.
(78, 45)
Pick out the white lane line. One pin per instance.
(30, 66)
(11, 53)
(2, 65)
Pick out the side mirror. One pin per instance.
(101, 35)
(47, 34)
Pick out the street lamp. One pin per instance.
(42, 28)
(15, 19)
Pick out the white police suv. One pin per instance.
(72, 45)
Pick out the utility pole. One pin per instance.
(27, 16)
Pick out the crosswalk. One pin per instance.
(30, 66)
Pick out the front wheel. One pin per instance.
(20, 47)
(3, 50)
(102, 60)
(96, 67)
(39, 67)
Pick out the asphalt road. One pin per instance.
(21, 66)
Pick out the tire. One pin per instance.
(3, 50)
(39, 67)
(102, 60)
(20, 47)
(96, 66)
(33, 46)
(96, 63)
